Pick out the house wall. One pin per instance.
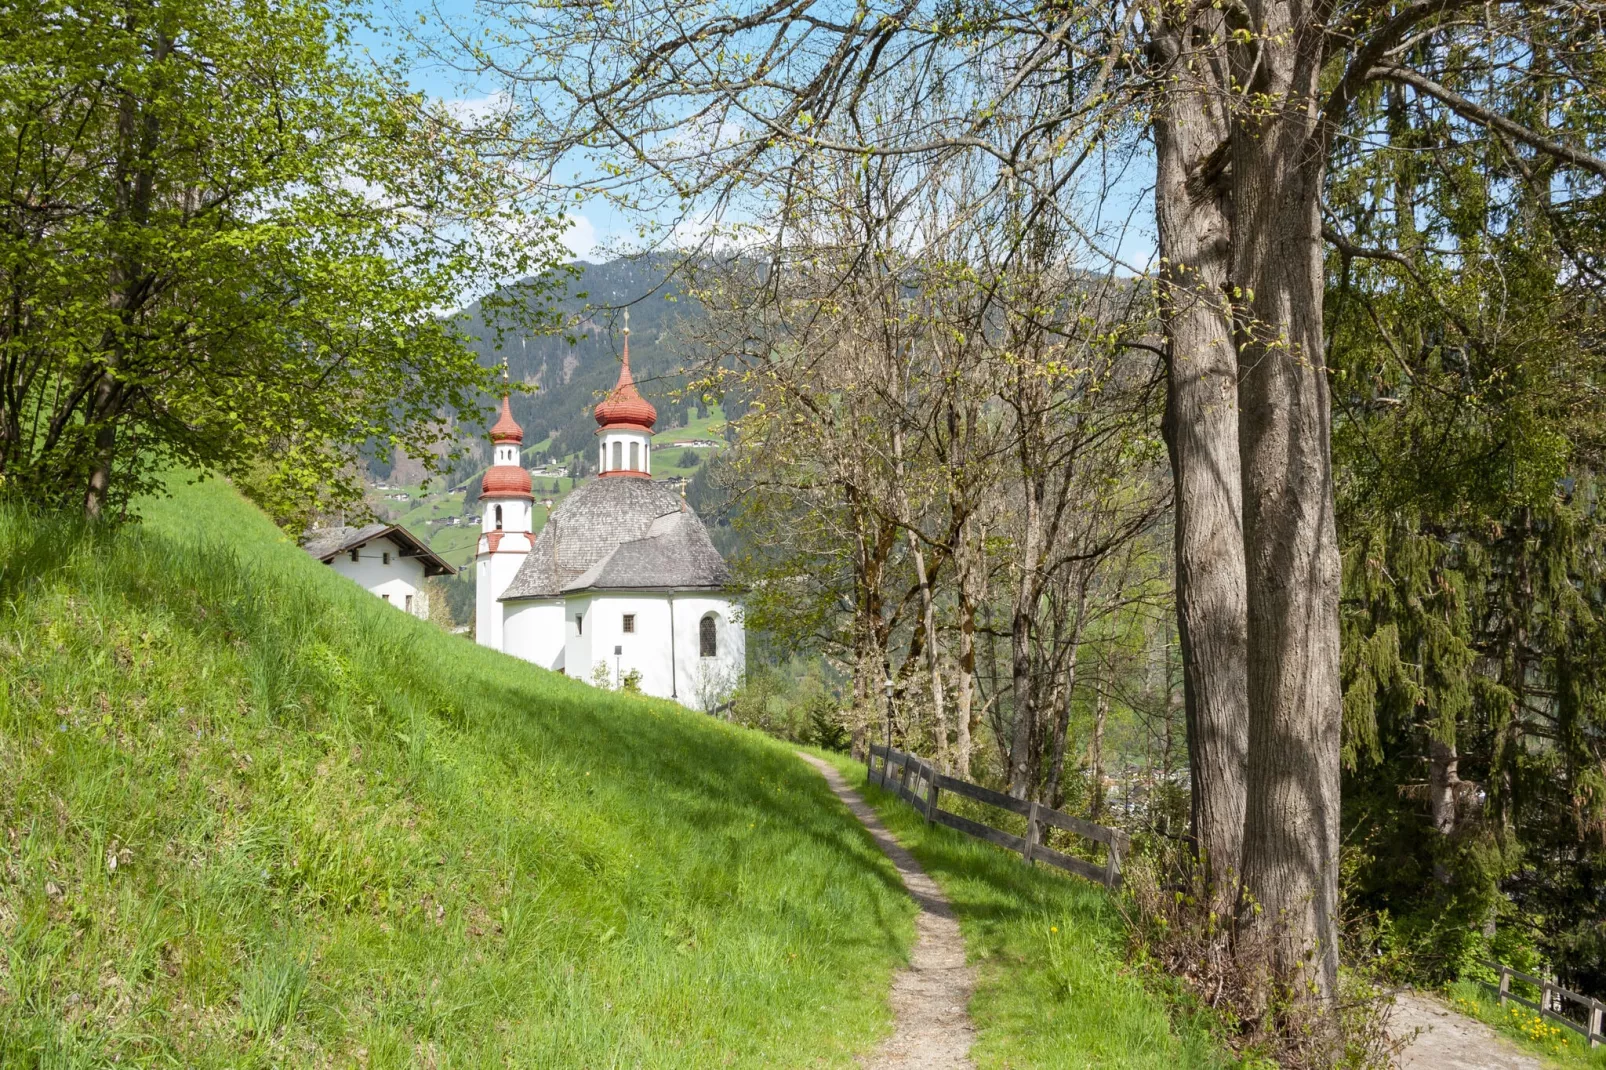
(396, 582)
(663, 647)
(534, 631)
(577, 641)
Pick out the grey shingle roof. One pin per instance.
(327, 543)
(619, 532)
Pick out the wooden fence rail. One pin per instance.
(1551, 993)
(913, 772)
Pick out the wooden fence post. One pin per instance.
(1544, 997)
(1597, 1010)
(1030, 846)
(903, 775)
(1112, 866)
(1505, 983)
(931, 794)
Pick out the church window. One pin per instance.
(630, 623)
(409, 603)
(618, 448)
(498, 518)
(384, 558)
(354, 555)
(635, 457)
(386, 597)
(707, 639)
(579, 624)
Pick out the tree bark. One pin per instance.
(928, 611)
(1291, 830)
(1020, 645)
(1443, 782)
(1201, 432)
(1055, 790)
(1095, 752)
(967, 566)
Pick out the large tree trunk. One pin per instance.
(1291, 830)
(1095, 756)
(1444, 781)
(103, 411)
(1055, 790)
(1201, 431)
(1023, 615)
(967, 565)
(928, 611)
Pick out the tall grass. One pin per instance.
(251, 816)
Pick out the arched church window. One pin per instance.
(498, 518)
(618, 463)
(635, 459)
(707, 638)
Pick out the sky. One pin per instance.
(595, 225)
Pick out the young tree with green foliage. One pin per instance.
(225, 238)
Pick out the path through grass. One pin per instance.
(1053, 988)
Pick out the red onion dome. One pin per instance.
(503, 480)
(506, 429)
(624, 405)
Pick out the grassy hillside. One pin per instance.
(252, 816)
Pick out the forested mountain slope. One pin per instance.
(253, 816)
(573, 368)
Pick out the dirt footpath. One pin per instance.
(1446, 1040)
(931, 1029)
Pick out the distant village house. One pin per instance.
(387, 559)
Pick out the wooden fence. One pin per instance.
(914, 772)
(1551, 996)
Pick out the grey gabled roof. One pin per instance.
(675, 552)
(328, 543)
(619, 532)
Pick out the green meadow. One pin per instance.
(254, 817)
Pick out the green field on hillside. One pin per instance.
(710, 428)
(255, 817)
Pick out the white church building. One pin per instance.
(622, 582)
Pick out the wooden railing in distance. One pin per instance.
(1550, 992)
(906, 774)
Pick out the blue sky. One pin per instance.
(594, 224)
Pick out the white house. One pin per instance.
(385, 558)
(622, 581)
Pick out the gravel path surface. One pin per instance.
(1447, 1040)
(931, 1029)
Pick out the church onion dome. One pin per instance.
(502, 480)
(506, 429)
(625, 407)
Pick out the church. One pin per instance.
(622, 583)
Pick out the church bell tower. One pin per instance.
(507, 508)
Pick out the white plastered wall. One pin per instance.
(625, 438)
(664, 647)
(402, 578)
(495, 569)
(534, 631)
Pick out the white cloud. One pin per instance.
(475, 110)
(580, 237)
